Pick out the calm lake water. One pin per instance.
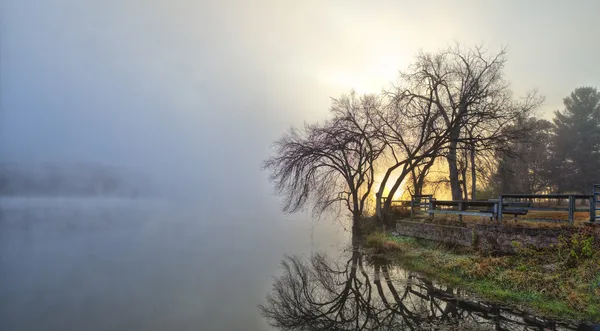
(117, 264)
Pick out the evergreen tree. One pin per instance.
(524, 166)
(576, 143)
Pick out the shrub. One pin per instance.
(576, 248)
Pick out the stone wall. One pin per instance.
(495, 238)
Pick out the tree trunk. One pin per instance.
(357, 213)
(453, 169)
(387, 205)
(473, 175)
(378, 209)
(388, 201)
(463, 182)
(421, 178)
(415, 180)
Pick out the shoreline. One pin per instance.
(560, 282)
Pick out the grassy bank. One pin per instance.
(562, 282)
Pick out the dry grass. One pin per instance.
(533, 219)
(561, 282)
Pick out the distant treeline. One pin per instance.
(69, 180)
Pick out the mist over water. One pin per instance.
(141, 264)
(190, 235)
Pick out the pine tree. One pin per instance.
(576, 145)
(524, 166)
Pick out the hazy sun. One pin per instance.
(370, 78)
(386, 190)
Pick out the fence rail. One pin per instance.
(506, 204)
(571, 206)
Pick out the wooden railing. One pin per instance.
(571, 200)
(513, 204)
(463, 208)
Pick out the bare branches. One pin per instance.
(329, 163)
(453, 104)
(467, 89)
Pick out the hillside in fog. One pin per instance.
(71, 180)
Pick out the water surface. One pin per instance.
(150, 264)
(359, 291)
(127, 264)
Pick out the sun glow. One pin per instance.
(388, 187)
(378, 72)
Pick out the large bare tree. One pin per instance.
(469, 92)
(414, 133)
(453, 104)
(494, 128)
(330, 163)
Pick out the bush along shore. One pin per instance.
(561, 281)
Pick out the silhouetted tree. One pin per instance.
(419, 175)
(468, 90)
(325, 164)
(413, 133)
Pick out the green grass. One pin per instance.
(552, 284)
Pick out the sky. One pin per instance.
(200, 89)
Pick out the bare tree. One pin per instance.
(419, 175)
(495, 128)
(330, 163)
(414, 132)
(468, 90)
(453, 104)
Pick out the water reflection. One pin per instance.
(362, 292)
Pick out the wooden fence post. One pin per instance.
(500, 208)
(412, 207)
(571, 209)
(460, 208)
(494, 213)
(431, 207)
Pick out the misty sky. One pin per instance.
(201, 88)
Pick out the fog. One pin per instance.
(182, 100)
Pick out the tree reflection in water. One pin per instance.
(364, 293)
